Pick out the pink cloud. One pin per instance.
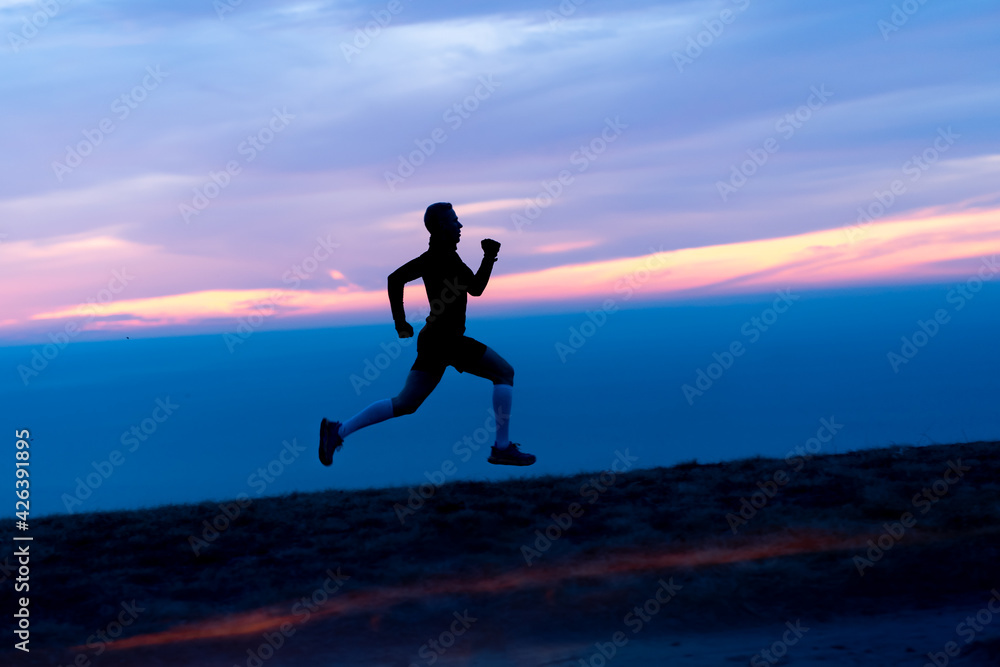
(890, 252)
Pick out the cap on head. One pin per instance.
(434, 214)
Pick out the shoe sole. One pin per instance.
(500, 462)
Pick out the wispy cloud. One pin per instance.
(558, 82)
(942, 247)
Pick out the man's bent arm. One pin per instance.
(397, 279)
(478, 283)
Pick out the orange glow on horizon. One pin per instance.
(894, 252)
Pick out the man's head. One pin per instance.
(441, 221)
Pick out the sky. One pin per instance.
(816, 182)
(172, 167)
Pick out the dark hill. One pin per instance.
(394, 582)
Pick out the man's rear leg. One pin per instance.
(419, 385)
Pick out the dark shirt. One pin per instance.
(447, 280)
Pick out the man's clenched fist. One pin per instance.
(491, 248)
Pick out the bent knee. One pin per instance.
(505, 375)
(404, 407)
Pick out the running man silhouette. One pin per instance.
(442, 342)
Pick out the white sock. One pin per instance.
(377, 412)
(503, 395)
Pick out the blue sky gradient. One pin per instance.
(191, 161)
